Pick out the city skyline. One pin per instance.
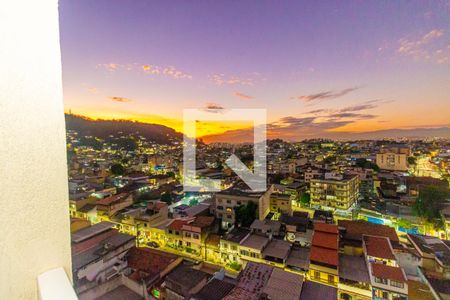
(320, 69)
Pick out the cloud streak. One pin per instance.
(119, 99)
(147, 69)
(243, 96)
(325, 95)
(213, 107)
(222, 79)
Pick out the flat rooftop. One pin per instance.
(88, 232)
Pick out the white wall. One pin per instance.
(34, 216)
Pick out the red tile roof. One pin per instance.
(325, 256)
(323, 227)
(388, 272)
(354, 230)
(150, 261)
(178, 224)
(378, 246)
(325, 240)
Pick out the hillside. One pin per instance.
(104, 128)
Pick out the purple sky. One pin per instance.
(360, 65)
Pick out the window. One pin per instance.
(196, 236)
(397, 284)
(187, 234)
(317, 275)
(345, 296)
(330, 279)
(244, 252)
(381, 280)
(220, 207)
(228, 201)
(234, 247)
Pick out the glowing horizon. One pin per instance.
(147, 61)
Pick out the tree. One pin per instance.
(245, 214)
(304, 198)
(412, 160)
(166, 197)
(429, 203)
(117, 169)
(365, 164)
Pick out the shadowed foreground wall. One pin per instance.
(34, 219)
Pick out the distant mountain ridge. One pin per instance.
(104, 128)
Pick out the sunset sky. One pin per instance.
(316, 66)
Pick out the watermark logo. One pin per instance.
(255, 179)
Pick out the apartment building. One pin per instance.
(227, 200)
(335, 191)
(393, 158)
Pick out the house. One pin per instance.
(354, 280)
(251, 282)
(98, 254)
(184, 282)
(314, 290)
(146, 267)
(388, 280)
(324, 259)
(230, 243)
(277, 251)
(251, 248)
(265, 227)
(352, 235)
(109, 206)
(215, 290)
(195, 233)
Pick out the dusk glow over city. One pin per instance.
(320, 69)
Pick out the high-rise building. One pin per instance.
(393, 158)
(335, 191)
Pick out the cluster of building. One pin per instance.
(330, 225)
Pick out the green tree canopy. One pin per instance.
(245, 214)
(412, 160)
(117, 169)
(166, 197)
(429, 203)
(304, 198)
(364, 163)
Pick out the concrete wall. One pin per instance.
(34, 215)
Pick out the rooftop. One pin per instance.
(278, 249)
(377, 246)
(236, 235)
(91, 231)
(392, 273)
(215, 290)
(314, 290)
(105, 246)
(299, 258)
(324, 256)
(254, 277)
(255, 241)
(283, 285)
(112, 199)
(327, 228)
(431, 245)
(353, 268)
(325, 240)
(150, 261)
(354, 230)
(184, 276)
